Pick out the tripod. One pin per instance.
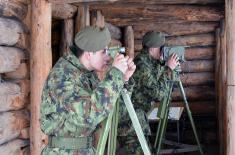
(111, 124)
(164, 111)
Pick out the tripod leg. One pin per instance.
(113, 131)
(162, 126)
(135, 122)
(190, 116)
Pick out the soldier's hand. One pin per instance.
(121, 63)
(130, 70)
(173, 61)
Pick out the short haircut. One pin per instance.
(76, 50)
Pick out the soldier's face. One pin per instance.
(99, 60)
(155, 53)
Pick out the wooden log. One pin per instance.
(195, 93)
(114, 31)
(129, 41)
(115, 42)
(10, 58)
(40, 65)
(191, 40)
(83, 18)
(97, 19)
(12, 124)
(22, 72)
(12, 33)
(14, 96)
(197, 108)
(175, 29)
(158, 13)
(78, 1)
(168, 1)
(198, 66)
(67, 36)
(17, 146)
(230, 78)
(196, 79)
(199, 53)
(63, 11)
(13, 8)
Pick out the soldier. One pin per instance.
(151, 77)
(74, 101)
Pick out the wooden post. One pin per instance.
(67, 36)
(83, 17)
(97, 18)
(129, 41)
(40, 65)
(230, 88)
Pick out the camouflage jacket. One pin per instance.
(150, 81)
(74, 101)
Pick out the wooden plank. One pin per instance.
(195, 93)
(129, 41)
(67, 36)
(175, 29)
(14, 95)
(40, 65)
(114, 31)
(22, 72)
(63, 11)
(197, 79)
(12, 33)
(189, 40)
(200, 53)
(10, 58)
(230, 126)
(97, 19)
(230, 42)
(158, 13)
(14, 9)
(17, 146)
(82, 18)
(198, 66)
(78, 1)
(12, 124)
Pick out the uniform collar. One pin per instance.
(75, 62)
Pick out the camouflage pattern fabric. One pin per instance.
(74, 102)
(151, 84)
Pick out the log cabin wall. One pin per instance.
(189, 23)
(14, 76)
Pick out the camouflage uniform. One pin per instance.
(74, 102)
(150, 84)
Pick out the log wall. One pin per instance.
(186, 23)
(14, 76)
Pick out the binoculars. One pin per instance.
(112, 51)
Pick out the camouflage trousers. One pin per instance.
(127, 138)
(59, 151)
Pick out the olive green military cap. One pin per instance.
(93, 38)
(153, 39)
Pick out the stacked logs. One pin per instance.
(14, 76)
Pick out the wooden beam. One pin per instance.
(197, 79)
(78, 1)
(15, 147)
(175, 29)
(97, 19)
(230, 80)
(82, 18)
(198, 66)
(22, 72)
(13, 33)
(188, 40)
(200, 53)
(135, 14)
(114, 31)
(63, 11)
(129, 41)
(10, 58)
(40, 65)
(14, 8)
(67, 36)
